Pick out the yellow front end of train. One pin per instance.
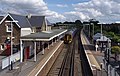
(67, 38)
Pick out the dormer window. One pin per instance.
(8, 28)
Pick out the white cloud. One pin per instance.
(61, 5)
(55, 17)
(73, 15)
(23, 7)
(35, 7)
(103, 10)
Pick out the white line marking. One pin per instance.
(48, 59)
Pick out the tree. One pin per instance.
(78, 24)
(111, 34)
(94, 21)
(66, 22)
(116, 51)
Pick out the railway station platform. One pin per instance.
(91, 59)
(95, 59)
(32, 44)
(30, 67)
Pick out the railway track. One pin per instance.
(64, 64)
(67, 67)
(54, 71)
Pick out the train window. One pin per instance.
(70, 36)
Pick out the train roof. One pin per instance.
(70, 31)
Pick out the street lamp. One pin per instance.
(101, 24)
(101, 28)
(93, 28)
(89, 30)
(11, 38)
(92, 31)
(86, 27)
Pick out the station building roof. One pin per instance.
(43, 36)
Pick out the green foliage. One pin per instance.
(115, 38)
(94, 21)
(110, 34)
(78, 24)
(114, 29)
(97, 31)
(115, 49)
(118, 40)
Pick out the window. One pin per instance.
(8, 28)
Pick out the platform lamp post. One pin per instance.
(87, 32)
(92, 31)
(11, 39)
(100, 28)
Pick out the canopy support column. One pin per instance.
(52, 42)
(57, 38)
(48, 45)
(42, 47)
(35, 57)
(21, 51)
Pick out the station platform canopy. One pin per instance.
(103, 38)
(97, 36)
(44, 35)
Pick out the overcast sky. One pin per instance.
(65, 10)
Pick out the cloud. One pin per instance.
(73, 15)
(103, 10)
(55, 17)
(24, 7)
(61, 5)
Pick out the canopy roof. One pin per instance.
(43, 36)
(104, 38)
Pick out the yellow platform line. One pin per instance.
(91, 59)
(41, 65)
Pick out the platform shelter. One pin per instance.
(31, 44)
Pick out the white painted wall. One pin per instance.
(14, 58)
(25, 31)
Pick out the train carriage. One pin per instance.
(69, 36)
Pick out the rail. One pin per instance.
(63, 66)
(71, 73)
(67, 67)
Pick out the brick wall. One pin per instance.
(4, 34)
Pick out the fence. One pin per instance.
(7, 61)
(110, 69)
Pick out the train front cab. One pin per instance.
(67, 39)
